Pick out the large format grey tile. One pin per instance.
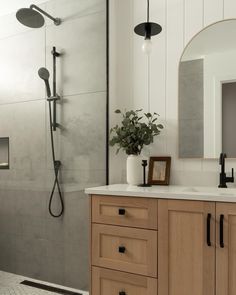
(24, 124)
(76, 266)
(81, 141)
(30, 204)
(8, 202)
(82, 42)
(69, 9)
(21, 56)
(76, 219)
(30, 257)
(7, 251)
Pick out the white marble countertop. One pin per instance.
(213, 194)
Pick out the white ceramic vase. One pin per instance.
(134, 169)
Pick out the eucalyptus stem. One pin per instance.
(135, 131)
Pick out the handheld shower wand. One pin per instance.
(44, 74)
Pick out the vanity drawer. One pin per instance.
(125, 249)
(108, 282)
(125, 211)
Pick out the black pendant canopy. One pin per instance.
(148, 29)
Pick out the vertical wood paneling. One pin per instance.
(229, 9)
(193, 18)
(121, 73)
(158, 72)
(213, 11)
(174, 48)
(158, 60)
(140, 60)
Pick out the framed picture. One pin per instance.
(159, 170)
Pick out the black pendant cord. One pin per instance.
(148, 29)
(56, 167)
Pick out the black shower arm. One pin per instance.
(56, 20)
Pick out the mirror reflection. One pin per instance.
(207, 93)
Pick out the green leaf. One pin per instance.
(134, 131)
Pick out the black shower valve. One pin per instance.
(57, 164)
(55, 53)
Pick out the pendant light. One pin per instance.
(147, 30)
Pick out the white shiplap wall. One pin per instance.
(152, 83)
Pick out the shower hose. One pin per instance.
(56, 166)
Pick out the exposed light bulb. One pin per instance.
(147, 46)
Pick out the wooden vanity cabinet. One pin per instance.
(147, 246)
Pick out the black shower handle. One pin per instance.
(122, 293)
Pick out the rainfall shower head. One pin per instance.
(32, 17)
(44, 74)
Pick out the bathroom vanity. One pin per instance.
(162, 240)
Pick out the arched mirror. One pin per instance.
(207, 93)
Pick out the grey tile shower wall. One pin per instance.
(31, 242)
(34, 244)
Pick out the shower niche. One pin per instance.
(4, 153)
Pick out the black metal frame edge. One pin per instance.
(108, 90)
(8, 148)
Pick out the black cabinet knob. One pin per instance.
(121, 211)
(122, 293)
(121, 249)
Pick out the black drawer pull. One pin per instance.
(222, 231)
(209, 229)
(122, 249)
(121, 211)
(122, 293)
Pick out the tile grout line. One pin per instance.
(41, 99)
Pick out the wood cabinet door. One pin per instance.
(186, 247)
(225, 249)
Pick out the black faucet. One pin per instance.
(223, 178)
